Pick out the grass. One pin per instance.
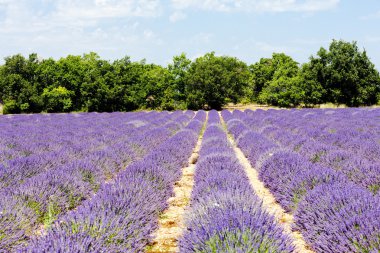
(230, 241)
(374, 188)
(331, 106)
(51, 215)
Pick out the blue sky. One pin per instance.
(159, 29)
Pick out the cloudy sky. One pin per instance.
(159, 29)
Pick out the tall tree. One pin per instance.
(126, 90)
(282, 86)
(179, 69)
(155, 90)
(213, 80)
(346, 73)
(269, 69)
(262, 74)
(18, 87)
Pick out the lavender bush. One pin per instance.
(340, 217)
(123, 214)
(226, 215)
(34, 195)
(323, 166)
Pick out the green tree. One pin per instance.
(270, 69)
(179, 70)
(282, 87)
(262, 74)
(97, 80)
(46, 74)
(312, 91)
(155, 91)
(70, 75)
(214, 80)
(347, 74)
(95, 96)
(125, 92)
(290, 85)
(341, 74)
(57, 99)
(18, 86)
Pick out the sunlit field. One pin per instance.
(298, 180)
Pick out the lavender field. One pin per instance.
(242, 181)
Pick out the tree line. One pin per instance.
(341, 74)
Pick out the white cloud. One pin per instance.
(257, 5)
(90, 9)
(177, 16)
(60, 27)
(217, 5)
(371, 16)
(148, 34)
(37, 15)
(4, 2)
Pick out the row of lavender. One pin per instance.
(35, 194)
(333, 213)
(226, 215)
(67, 137)
(30, 135)
(123, 214)
(354, 130)
(352, 147)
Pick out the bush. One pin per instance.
(11, 107)
(57, 99)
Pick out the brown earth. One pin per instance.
(171, 222)
(243, 107)
(268, 201)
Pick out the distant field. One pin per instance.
(248, 106)
(266, 107)
(298, 180)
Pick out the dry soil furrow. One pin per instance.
(171, 222)
(269, 202)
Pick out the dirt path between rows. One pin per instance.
(171, 222)
(269, 202)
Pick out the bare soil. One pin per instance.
(269, 202)
(171, 222)
(243, 107)
(253, 107)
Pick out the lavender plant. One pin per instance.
(226, 215)
(123, 214)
